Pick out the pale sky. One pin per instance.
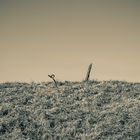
(41, 37)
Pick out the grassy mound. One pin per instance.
(76, 111)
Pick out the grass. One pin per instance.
(95, 110)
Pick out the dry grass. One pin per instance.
(79, 111)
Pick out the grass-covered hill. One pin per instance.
(75, 111)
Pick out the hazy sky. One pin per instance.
(41, 37)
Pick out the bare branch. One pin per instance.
(52, 77)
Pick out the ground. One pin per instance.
(94, 110)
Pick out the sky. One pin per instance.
(62, 37)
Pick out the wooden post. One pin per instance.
(88, 73)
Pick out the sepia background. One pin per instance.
(41, 37)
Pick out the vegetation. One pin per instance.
(91, 110)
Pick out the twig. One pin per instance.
(52, 77)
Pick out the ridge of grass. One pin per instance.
(90, 110)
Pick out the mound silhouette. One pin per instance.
(77, 111)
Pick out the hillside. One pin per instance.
(77, 111)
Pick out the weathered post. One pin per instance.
(88, 73)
